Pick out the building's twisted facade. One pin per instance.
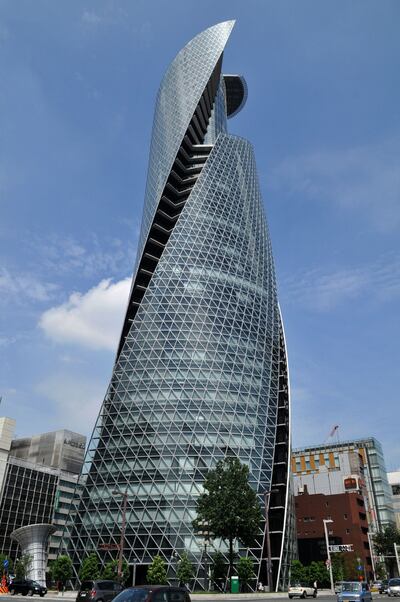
(201, 370)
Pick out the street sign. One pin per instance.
(360, 567)
(108, 546)
(6, 563)
(343, 547)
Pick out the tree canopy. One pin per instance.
(89, 568)
(184, 571)
(218, 570)
(384, 542)
(316, 571)
(229, 505)
(245, 571)
(61, 569)
(110, 571)
(22, 566)
(157, 572)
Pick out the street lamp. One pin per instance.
(326, 521)
(396, 553)
(123, 527)
(204, 532)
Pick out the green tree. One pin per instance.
(184, 571)
(380, 570)
(297, 572)
(384, 545)
(89, 568)
(316, 571)
(229, 505)
(245, 571)
(218, 570)
(61, 569)
(22, 566)
(157, 572)
(110, 571)
(339, 568)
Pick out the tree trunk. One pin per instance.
(230, 557)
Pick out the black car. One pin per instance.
(383, 586)
(27, 587)
(153, 593)
(101, 590)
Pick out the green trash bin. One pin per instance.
(234, 585)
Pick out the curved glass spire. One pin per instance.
(201, 370)
(180, 91)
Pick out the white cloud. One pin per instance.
(91, 18)
(94, 258)
(365, 178)
(93, 319)
(19, 287)
(323, 291)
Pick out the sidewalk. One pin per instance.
(71, 595)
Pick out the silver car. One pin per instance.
(393, 587)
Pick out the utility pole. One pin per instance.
(123, 527)
(371, 547)
(329, 561)
(396, 552)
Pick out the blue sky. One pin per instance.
(78, 84)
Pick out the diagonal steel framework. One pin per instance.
(201, 369)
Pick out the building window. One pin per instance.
(348, 531)
(345, 516)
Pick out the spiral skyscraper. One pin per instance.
(201, 370)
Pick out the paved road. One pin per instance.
(323, 597)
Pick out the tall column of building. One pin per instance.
(7, 427)
(201, 369)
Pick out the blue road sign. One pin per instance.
(5, 563)
(360, 567)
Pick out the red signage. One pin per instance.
(350, 483)
(108, 546)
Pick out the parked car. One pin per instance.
(375, 586)
(354, 591)
(153, 593)
(384, 586)
(393, 587)
(101, 590)
(301, 590)
(27, 587)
